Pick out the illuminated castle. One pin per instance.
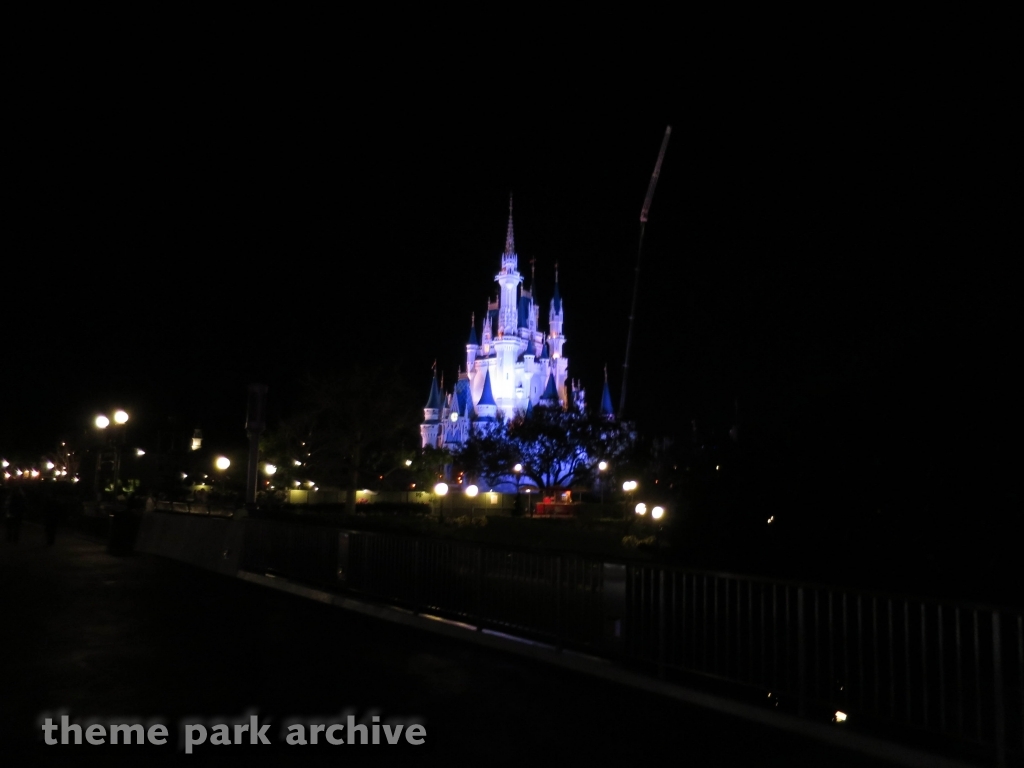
(511, 366)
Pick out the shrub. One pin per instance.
(632, 542)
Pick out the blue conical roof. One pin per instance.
(487, 397)
(462, 396)
(550, 391)
(525, 303)
(472, 336)
(434, 401)
(556, 300)
(606, 401)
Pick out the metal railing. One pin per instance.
(549, 597)
(948, 668)
(305, 553)
(955, 670)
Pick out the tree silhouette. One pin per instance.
(350, 424)
(557, 448)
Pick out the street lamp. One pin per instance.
(628, 487)
(222, 463)
(518, 470)
(440, 489)
(657, 513)
(601, 467)
(117, 438)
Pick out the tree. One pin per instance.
(557, 448)
(351, 423)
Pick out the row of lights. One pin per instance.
(656, 513)
(33, 472)
(442, 488)
(120, 417)
(629, 486)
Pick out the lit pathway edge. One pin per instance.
(601, 668)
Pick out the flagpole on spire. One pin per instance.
(636, 277)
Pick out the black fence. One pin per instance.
(546, 597)
(955, 670)
(952, 670)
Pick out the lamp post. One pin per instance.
(255, 424)
(440, 490)
(116, 438)
(222, 463)
(601, 467)
(628, 487)
(471, 492)
(518, 470)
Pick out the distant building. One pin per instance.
(512, 364)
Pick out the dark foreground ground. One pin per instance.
(139, 638)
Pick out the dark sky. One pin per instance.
(834, 250)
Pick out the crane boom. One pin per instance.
(639, 251)
(654, 176)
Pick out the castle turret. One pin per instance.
(509, 279)
(556, 340)
(555, 318)
(550, 396)
(486, 407)
(472, 346)
(430, 428)
(607, 411)
(488, 333)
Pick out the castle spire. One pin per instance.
(556, 299)
(607, 411)
(434, 400)
(510, 240)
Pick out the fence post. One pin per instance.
(661, 623)
(801, 645)
(558, 604)
(479, 589)
(417, 591)
(999, 714)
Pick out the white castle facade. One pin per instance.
(511, 366)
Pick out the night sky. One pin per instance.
(833, 251)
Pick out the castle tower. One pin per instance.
(486, 407)
(430, 429)
(556, 340)
(472, 346)
(507, 344)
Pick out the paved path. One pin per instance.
(141, 637)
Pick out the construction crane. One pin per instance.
(636, 277)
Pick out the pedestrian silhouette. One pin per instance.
(17, 506)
